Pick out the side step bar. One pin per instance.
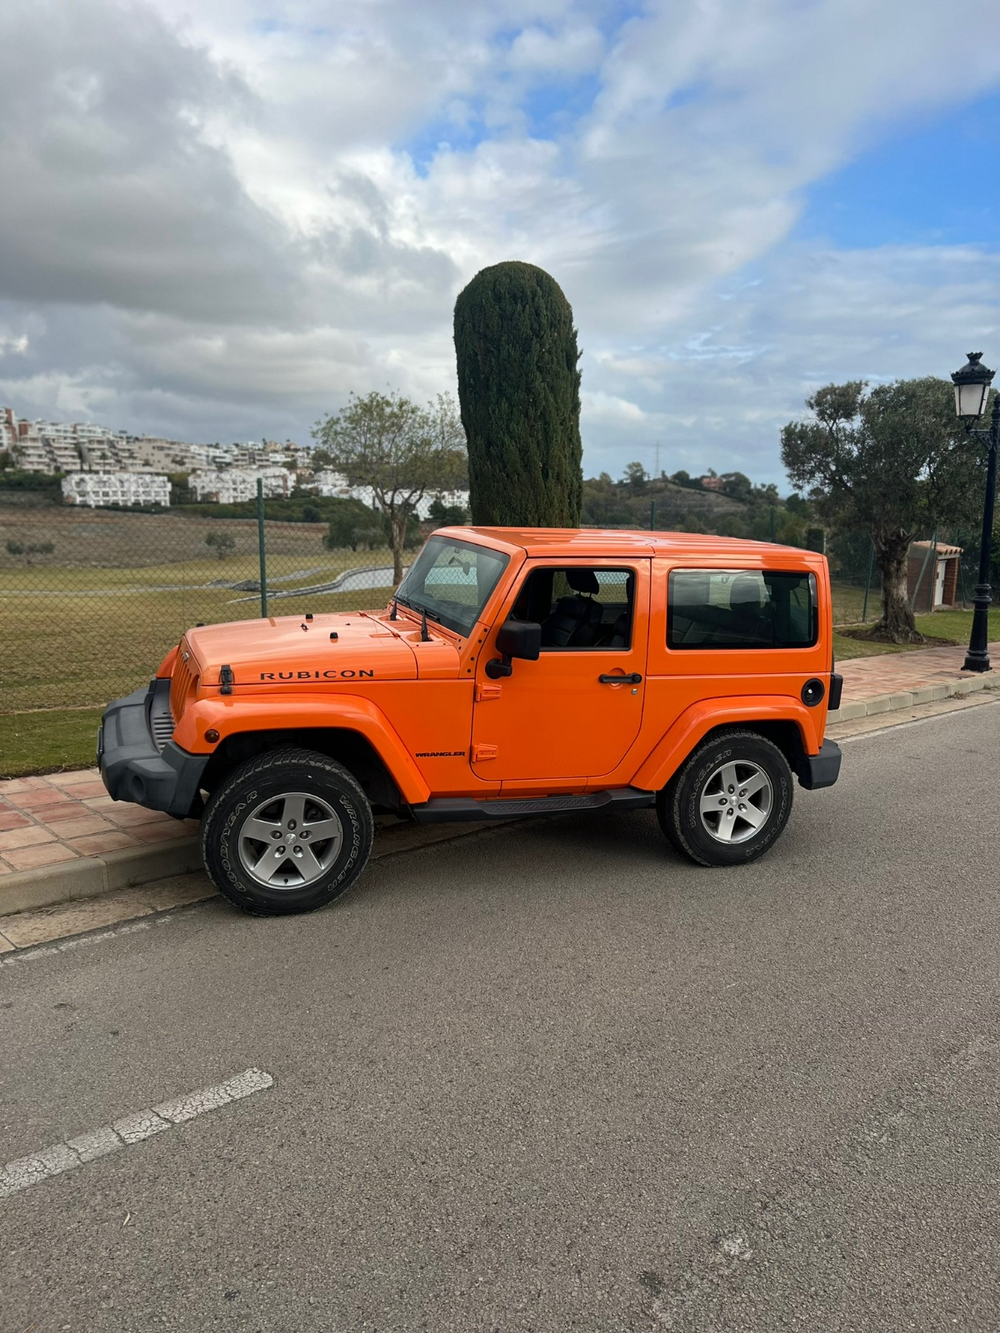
(455, 809)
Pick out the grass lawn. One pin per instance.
(848, 603)
(79, 648)
(48, 741)
(952, 626)
(92, 621)
(63, 738)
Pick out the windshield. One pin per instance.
(451, 580)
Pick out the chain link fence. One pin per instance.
(942, 573)
(92, 599)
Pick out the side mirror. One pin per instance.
(516, 638)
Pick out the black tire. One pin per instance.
(286, 796)
(701, 811)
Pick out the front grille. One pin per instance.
(182, 685)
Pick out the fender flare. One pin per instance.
(230, 716)
(697, 721)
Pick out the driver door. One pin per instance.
(574, 713)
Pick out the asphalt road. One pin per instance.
(546, 1078)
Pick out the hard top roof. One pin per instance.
(583, 543)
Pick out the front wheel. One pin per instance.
(729, 801)
(288, 831)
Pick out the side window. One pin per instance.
(579, 608)
(741, 608)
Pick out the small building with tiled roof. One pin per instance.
(932, 576)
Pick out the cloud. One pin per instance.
(117, 195)
(717, 395)
(574, 49)
(217, 223)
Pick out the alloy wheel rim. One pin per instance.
(290, 841)
(735, 802)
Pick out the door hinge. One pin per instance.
(487, 692)
(481, 752)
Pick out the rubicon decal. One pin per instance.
(363, 673)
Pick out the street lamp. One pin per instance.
(972, 387)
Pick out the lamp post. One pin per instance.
(972, 387)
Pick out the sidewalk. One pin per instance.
(62, 836)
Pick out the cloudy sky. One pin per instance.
(219, 218)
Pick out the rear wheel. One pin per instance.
(288, 831)
(729, 801)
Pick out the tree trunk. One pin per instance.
(397, 520)
(897, 624)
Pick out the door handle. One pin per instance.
(633, 679)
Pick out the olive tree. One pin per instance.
(223, 543)
(399, 451)
(891, 460)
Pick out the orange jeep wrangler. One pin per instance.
(514, 673)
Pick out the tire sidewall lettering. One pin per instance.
(229, 807)
(689, 785)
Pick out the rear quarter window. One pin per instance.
(741, 608)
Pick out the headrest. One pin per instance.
(583, 580)
(746, 592)
(691, 589)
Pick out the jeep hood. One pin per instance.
(288, 650)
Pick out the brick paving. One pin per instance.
(48, 821)
(51, 820)
(868, 677)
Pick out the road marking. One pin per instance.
(958, 704)
(34, 951)
(128, 1130)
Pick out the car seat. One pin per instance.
(575, 620)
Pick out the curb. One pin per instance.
(89, 876)
(92, 875)
(926, 694)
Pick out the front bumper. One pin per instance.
(135, 768)
(820, 770)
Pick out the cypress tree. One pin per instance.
(519, 394)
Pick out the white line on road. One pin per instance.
(973, 701)
(31, 952)
(27, 1171)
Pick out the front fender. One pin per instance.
(743, 710)
(231, 716)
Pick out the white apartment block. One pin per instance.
(224, 473)
(330, 483)
(336, 484)
(446, 497)
(233, 485)
(100, 489)
(8, 428)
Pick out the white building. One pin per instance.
(336, 484)
(99, 489)
(234, 485)
(450, 498)
(331, 483)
